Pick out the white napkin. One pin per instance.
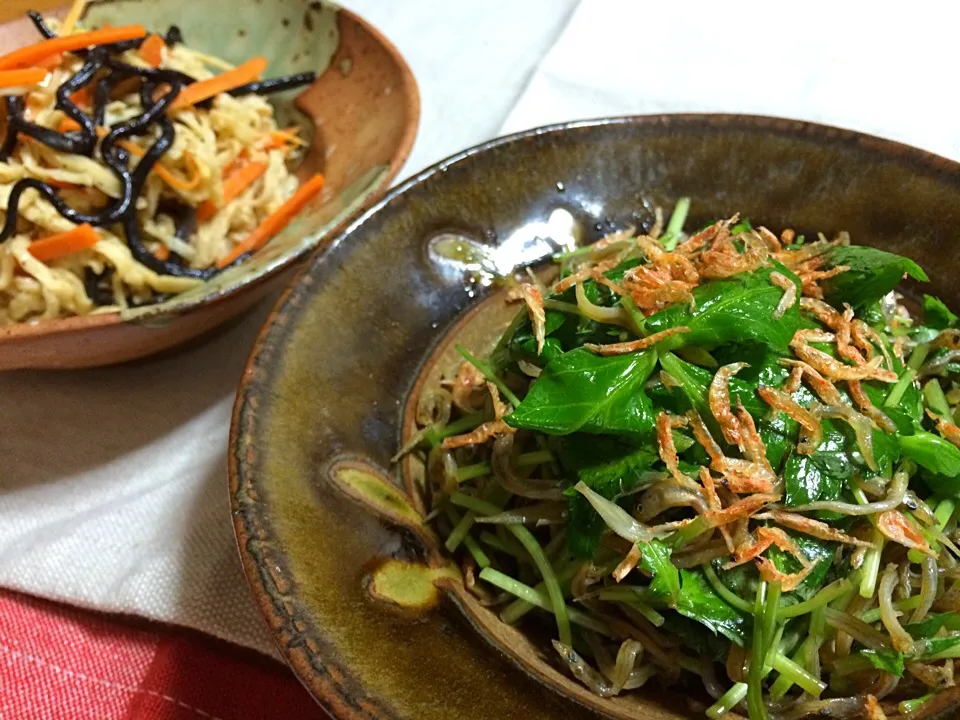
(884, 69)
(113, 483)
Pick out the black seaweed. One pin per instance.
(97, 286)
(103, 70)
(173, 36)
(41, 24)
(275, 85)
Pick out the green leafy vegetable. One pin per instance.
(890, 661)
(666, 579)
(872, 274)
(523, 345)
(936, 314)
(929, 627)
(734, 310)
(932, 452)
(607, 466)
(580, 391)
(821, 475)
(699, 602)
(818, 552)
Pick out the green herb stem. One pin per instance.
(872, 616)
(470, 472)
(482, 469)
(671, 235)
(798, 675)
(918, 355)
(541, 600)
(730, 699)
(755, 707)
(460, 530)
(634, 598)
(488, 538)
(473, 547)
(435, 435)
(635, 319)
(906, 707)
(826, 595)
(533, 547)
(724, 592)
(897, 391)
(935, 399)
(489, 374)
(944, 511)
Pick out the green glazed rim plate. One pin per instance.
(372, 619)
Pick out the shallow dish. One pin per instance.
(366, 613)
(362, 113)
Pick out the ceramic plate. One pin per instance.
(368, 619)
(361, 117)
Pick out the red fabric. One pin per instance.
(59, 662)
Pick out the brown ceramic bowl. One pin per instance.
(366, 610)
(362, 114)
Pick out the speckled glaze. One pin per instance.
(361, 114)
(329, 379)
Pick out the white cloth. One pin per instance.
(113, 482)
(879, 68)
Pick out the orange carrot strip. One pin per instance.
(162, 253)
(152, 50)
(276, 222)
(26, 76)
(52, 62)
(278, 139)
(237, 163)
(238, 181)
(83, 96)
(53, 247)
(68, 124)
(32, 54)
(249, 72)
(167, 176)
(63, 184)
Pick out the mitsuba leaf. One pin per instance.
(695, 385)
(932, 452)
(936, 314)
(942, 485)
(523, 345)
(695, 636)
(890, 661)
(608, 466)
(689, 593)
(821, 475)
(580, 391)
(818, 552)
(931, 626)
(698, 601)
(824, 474)
(872, 274)
(735, 310)
(934, 646)
(655, 559)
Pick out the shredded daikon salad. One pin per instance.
(133, 168)
(727, 458)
